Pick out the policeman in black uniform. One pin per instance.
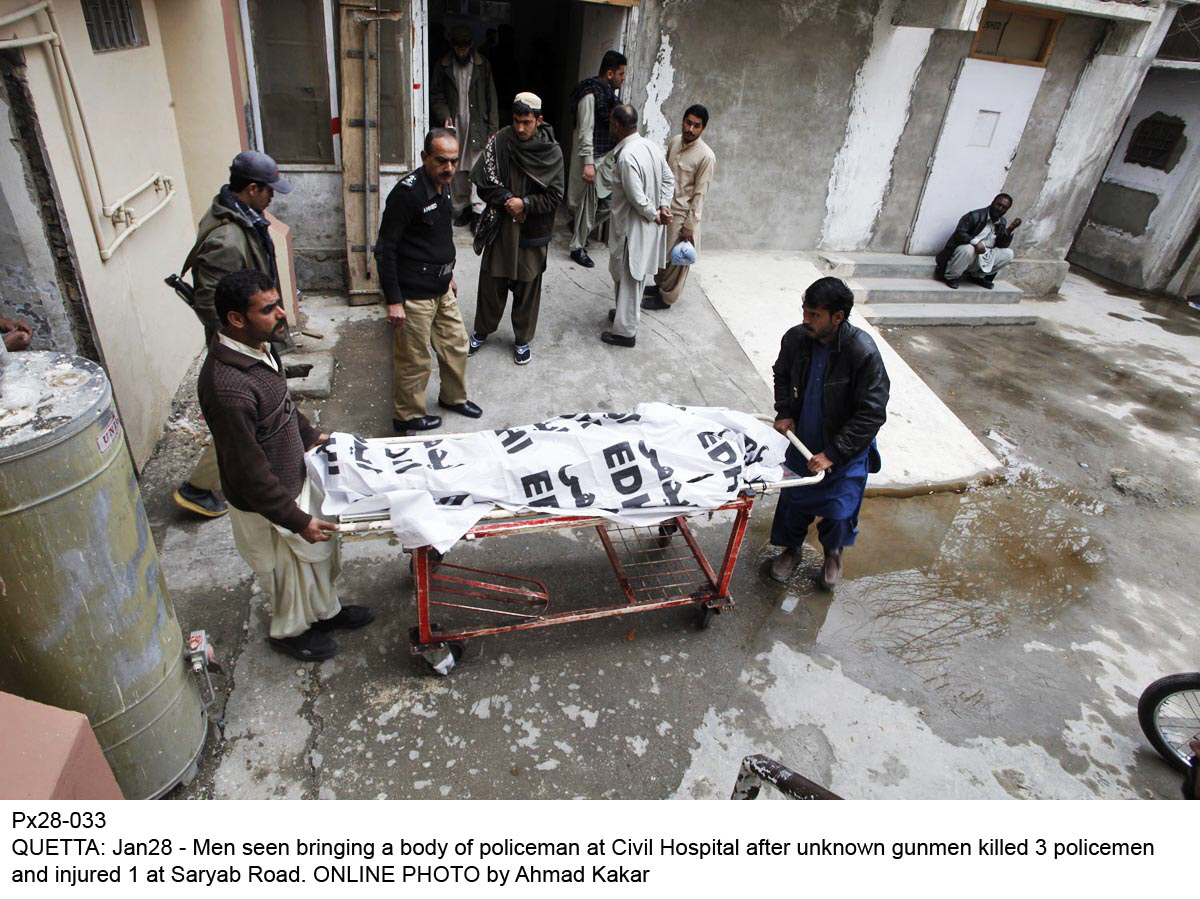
(415, 255)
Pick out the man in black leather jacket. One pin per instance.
(831, 390)
(979, 245)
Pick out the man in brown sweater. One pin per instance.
(261, 438)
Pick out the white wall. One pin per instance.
(147, 337)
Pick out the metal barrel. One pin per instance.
(85, 620)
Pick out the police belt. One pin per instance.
(426, 268)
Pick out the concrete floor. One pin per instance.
(986, 643)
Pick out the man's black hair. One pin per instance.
(612, 60)
(626, 117)
(1006, 196)
(525, 109)
(699, 112)
(237, 183)
(435, 133)
(235, 290)
(831, 294)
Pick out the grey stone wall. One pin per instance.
(777, 78)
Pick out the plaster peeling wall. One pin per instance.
(878, 114)
(658, 89)
(1099, 106)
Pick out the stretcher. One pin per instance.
(657, 567)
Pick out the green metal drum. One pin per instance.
(85, 620)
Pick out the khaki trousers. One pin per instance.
(435, 323)
(206, 475)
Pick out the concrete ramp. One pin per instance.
(924, 445)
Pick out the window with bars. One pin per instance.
(114, 24)
(1157, 142)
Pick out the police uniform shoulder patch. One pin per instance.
(408, 180)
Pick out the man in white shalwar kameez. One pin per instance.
(641, 210)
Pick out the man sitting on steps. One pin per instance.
(978, 247)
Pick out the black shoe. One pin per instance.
(581, 257)
(202, 502)
(521, 354)
(651, 291)
(985, 283)
(424, 423)
(347, 619)
(466, 407)
(474, 342)
(654, 304)
(952, 283)
(617, 339)
(310, 646)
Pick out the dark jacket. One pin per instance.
(854, 405)
(226, 242)
(968, 226)
(259, 434)
(541, 200)
(415, 248)
(481, 95)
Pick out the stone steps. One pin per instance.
(878, 265)
(927, 314)
(873, 291)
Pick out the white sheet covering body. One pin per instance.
(639, 468)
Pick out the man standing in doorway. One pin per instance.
(641, 209)
(831, 391)
(463, 97)
(693, 164)
(261, 438)
(233, 235)
(591, 165)
(520, 177)
(415, 255)
(979, 245)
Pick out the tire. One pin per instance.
(1169, 712)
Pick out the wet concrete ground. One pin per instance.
(988, 643)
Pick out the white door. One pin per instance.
(980, 134)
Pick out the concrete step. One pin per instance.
(878, 265)
(926, 290)
(926, 314)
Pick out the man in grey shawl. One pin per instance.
(520, 178)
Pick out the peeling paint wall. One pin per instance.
(1149, 249)
(879, 112)
(778, 80)
(27, 269)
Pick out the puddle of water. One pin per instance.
(933, 572)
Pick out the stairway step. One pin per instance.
(926, 314)
(926, 290)
(878, 265)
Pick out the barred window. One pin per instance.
(114, 24)
(1156, 142)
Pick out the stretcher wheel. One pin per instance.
(442, 661)
(704, 616)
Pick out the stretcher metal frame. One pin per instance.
(657, 567)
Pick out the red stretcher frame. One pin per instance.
(653, 566)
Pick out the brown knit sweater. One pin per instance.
(259, 434)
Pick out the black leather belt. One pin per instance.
(426, 268)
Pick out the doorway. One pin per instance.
(543, 46)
